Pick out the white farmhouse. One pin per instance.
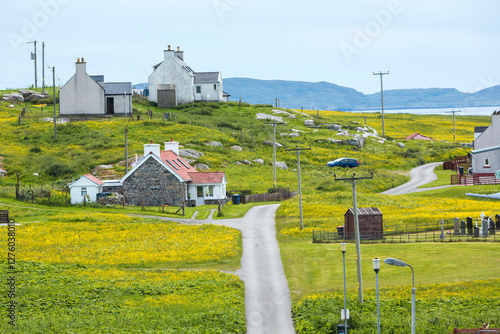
(486, 153)
(85, 189)
(173, 82)
(85, 94)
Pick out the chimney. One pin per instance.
(81, 68)
(173, 146)
(152, 148)
(169, 48)
(169, 54)
(179, 53)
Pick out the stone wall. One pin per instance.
(154, 184)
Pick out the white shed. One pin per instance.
(87, 186)
(207, 187)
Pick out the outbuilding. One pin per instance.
(370, 223)
(85, 189)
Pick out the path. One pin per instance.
(267, 296)
(419, 176)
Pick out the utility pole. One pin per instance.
(43, 68)
(353, 180)
(126, 150)
(382, 98)
(34, 58)
(274, 150)
(300, 187)
(454, 111)
(55, 106)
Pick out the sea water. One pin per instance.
(472, 111)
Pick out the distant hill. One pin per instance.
(321, 95)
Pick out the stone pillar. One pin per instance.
(456, 227)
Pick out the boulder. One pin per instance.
(334, 141)
(277, 111)
(281, 165)
(334, 127)
(270, 143)
(246, 162)
(236, 148)
(36, 96)
(295, 134)
(358, 141)
(401, 145)
(25, 93)
(190, 153)
(200, 166)
(10, 106)
(13, 97)
(238, 163)
(259, 161)
(309, 122)
(214, 144)
(261, 116)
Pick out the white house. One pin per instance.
(88, 186)
(85, 94)
(486, 153)
(173, 82)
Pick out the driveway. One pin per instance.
(420, 176)
(268, 305)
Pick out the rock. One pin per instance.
(309, 122)
(281, 165)
(276, 111)
(334, 127)
(214, 144)
(334, 141)
(357, 141)
(261, 116)
(295, 134)
(189, 161)
(343, 133)
(292, 116)
(36, 96)
(295, 130)
(259, 161)
(200, 166)
(10, 106)
(13, 97)
(246, 162)
(25, 93)
(238, 163)
(236, 148)
(190, 153)
(401, 145)
(360, 129)
(270, 143)
(3, 172)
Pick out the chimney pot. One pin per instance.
(178, 49)
(169, 48)
(83, 61)
(151, 141)
(77, 60)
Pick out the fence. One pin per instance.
(283, 194)
(477, 179)
(476, 331)
(410, 233)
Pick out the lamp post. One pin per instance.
(343, 248)
(376, 268)
(395, 262)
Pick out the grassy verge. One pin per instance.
(444, 178)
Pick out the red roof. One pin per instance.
(418, 136)
(93, 179)
(177, 164)
(207, 177)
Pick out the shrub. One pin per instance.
(35, 149)
(58, 169)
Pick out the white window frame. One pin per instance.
(487, 162)
(84, 191)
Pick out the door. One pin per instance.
(198, 93)
(200, 200)
(110, 105)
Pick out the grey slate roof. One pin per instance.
(97, 78)
(206, 77)
(118, 88)
(366, 211)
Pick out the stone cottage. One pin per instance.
(173, 82)
(85, 94)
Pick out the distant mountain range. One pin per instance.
(325, 95)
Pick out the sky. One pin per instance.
(422, 44)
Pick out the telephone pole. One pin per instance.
(300, 187)
(43, 68)
(274, 150)
(353, 181)
(55, 105)
(126, 150)
(34, 58)
(454, 111)
(382, 98)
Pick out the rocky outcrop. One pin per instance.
(190, 153)
(261, 116)
(309, 122)
(214, 144)
(401, 145)
(281, 165)
(270, 143)
(236, 148)
(259, 161)
(200, 166)
(13, 97)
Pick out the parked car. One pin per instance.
(343, 162)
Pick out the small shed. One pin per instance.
(370, 223)
(88, 186)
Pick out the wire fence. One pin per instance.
(448, 231)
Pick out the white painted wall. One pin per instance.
(76, 190)
(81, 94)
(122, 104)
(478, 162)
(490, 137)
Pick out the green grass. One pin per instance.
(444, 178)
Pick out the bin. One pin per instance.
(461, 170)
(340, 231)
(236, 198)
(341, 329)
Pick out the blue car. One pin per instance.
(343, 162)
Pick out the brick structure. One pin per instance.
(153, 184)
(370, 223)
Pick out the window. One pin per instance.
(486, 162)
(215, 86)
(84, 191)
(209, 191)
(198, 89)
(199, 191)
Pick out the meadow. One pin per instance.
(85, 258)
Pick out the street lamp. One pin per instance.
(343, 248)
(376, 268)
(395, 262)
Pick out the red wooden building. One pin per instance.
(370, 223)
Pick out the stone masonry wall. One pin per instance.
(154, 184)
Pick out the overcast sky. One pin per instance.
(423, 44)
